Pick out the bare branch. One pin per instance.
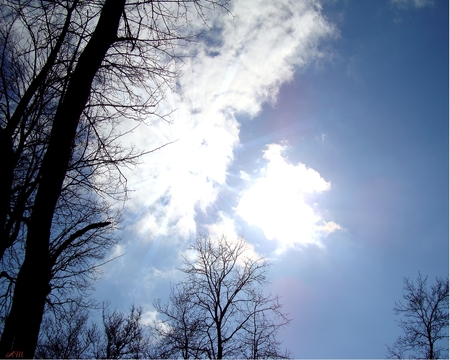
(425, 320)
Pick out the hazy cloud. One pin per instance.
(412, 3)
(330, 227)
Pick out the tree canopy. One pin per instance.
(220, 309)
(424, 320)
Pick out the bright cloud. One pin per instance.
(276, 202)
(226, 226)
(223, 226)
(149, 317)
(251, 55)
(330, 227)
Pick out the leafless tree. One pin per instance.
(70, 71)
(68, 335)
(260, 332)
(124, 335)
(219, 310)
(180, 333)
(425, 320)
(71, 336)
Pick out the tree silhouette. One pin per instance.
(425, 320)
(70, 335)
(70, 72)
(219, 310)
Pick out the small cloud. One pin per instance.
(224, 226)
(153, 275)
(418, 4)
(244, 176)
(163, 274)
(321, 138)
(330, 227)
(118, 251)
(149, 317)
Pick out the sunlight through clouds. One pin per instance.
(276, 202)
(240, 66)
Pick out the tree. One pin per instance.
(219, 310)
(35, 271)
(425, 320)
(180, 334)
(125, 336)
(70, 72)
(68, 336)
(260, 332)
(122, 336)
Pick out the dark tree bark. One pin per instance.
(23, 322)
(9, 157)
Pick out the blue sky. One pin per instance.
(318, 131)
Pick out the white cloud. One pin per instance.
(412, 3)
(330, 227)
(244, 176)
(226, 226)
(223, 226)
(149, 317)
(253, 54)
(276, 202)
(259, 50)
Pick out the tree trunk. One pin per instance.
(9, 158)
(6, 181)
(219, 342)
(23, 322)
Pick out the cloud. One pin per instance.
(244, 176)
(330, 227)
(223, 226)
(226, 226)
(244, 63)
(277, 202)
(404, 4)
(149, 317)
(258, 50)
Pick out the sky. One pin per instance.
(317, 131)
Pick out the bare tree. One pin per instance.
(180, 333)
(68, 335)
(260, 332)
(219, 310)
(71, 336)
(70, 71)
(124, 335)
(425, 320)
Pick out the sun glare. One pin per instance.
(276, 202)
